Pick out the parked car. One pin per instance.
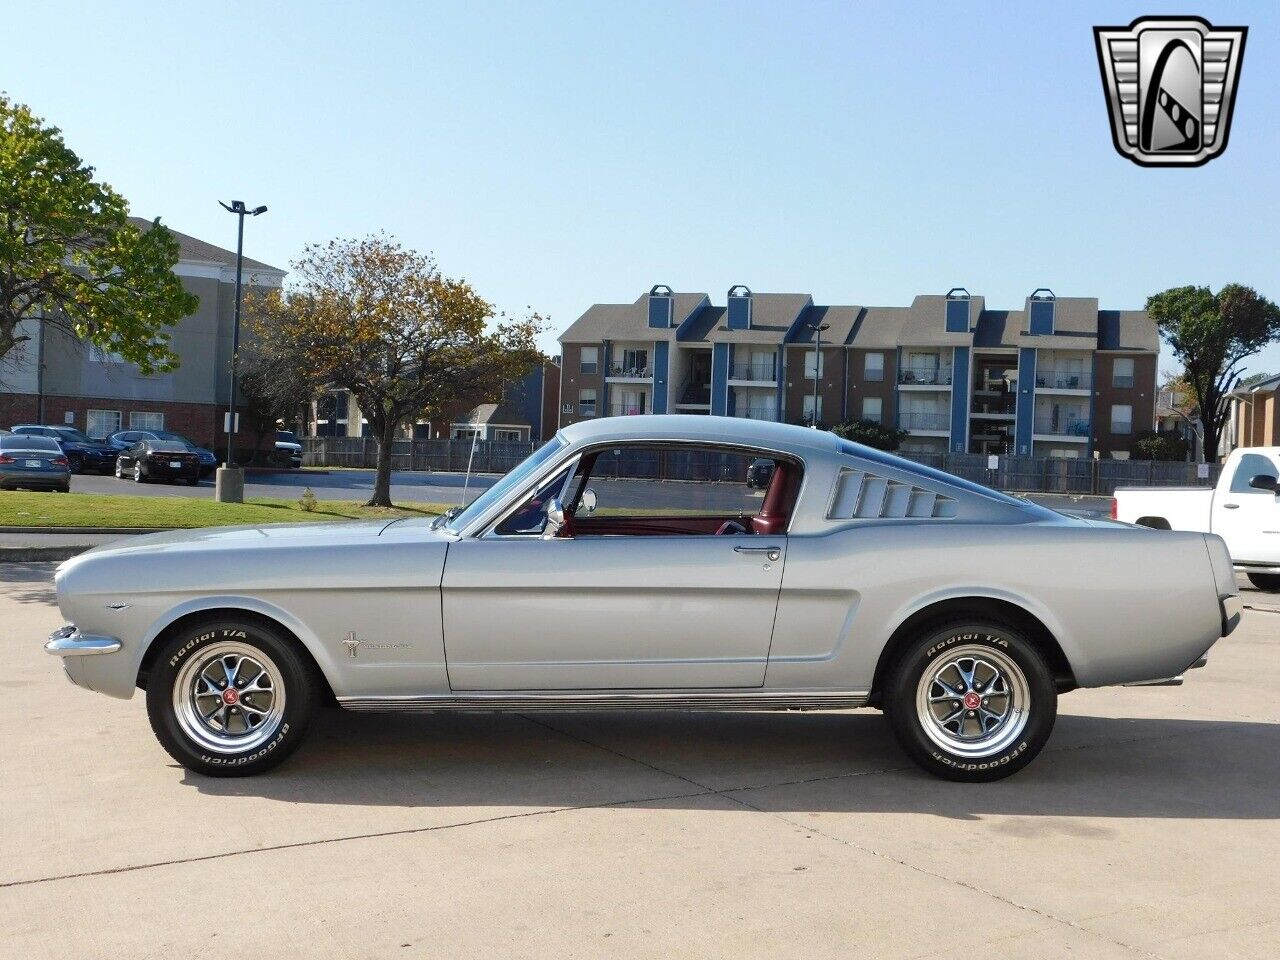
(1243, 509)
(33, 462)
(759, 473)
(961, 612)
(83, 452)
(289, 448)
(127, 438)
(158, 460)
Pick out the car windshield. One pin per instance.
(286, 436)
(509, 481)
(175, 437)
(20, 441)
(71, 433)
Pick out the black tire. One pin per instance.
(180, 659)
(1266, 581)
(193, 481)
(138, 475)
(1011, 743)
(75, 464)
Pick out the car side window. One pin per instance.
(1250, 466)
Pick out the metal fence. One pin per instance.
(1021, 474)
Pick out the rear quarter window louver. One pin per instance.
(865, 496)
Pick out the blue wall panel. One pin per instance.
(719, 379)
(739, 313)
(960, 401)
(661, 351)
(957, 316)
(1024, 424)
(1041, 317)
(660, 311)
(603, 406)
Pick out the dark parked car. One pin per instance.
(124, 439)
(158, 460)
(33, 462)
(83, 452)
(759, 473)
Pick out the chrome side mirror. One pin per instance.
(587, 504)
(555, 519)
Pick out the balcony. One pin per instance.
(757, 413)
(1058, 379)
(924, 421)
(1075, 428)
(696, 394)
(924, 376)
(619, 371)
(627, 409)
(755, 371)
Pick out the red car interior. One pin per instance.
(772, 518)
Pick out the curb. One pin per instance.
(42, 554)
(93, 530)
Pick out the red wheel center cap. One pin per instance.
(971, 700)
(231, 697)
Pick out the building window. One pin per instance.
(807, 411)
(808, 363)
(102, 423)
(873, 367)
(1121, 418)
(587, 403)
(635, 363)
(139, 420)
(1122, 372)
(590, 360)
(100, 355)
(508, 436)
(872, 409)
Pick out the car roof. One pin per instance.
(704, 429)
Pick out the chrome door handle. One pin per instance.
(773, 553)
(1231, 506)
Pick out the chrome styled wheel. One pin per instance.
(973, 702)
(230, 698)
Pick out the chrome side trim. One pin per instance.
(66, 642)
(613, 700)
(1165, 682)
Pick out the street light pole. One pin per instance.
(229, 483)
(817, 368)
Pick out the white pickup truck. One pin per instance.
(1243, 509)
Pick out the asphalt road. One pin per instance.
(1149, 828)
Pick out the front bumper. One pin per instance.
(69, 642)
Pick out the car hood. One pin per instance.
(319, 534)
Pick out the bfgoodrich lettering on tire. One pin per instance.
(971, 701)
(230, 698)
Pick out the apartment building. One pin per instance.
(1059, 377)
(1254, 419)
(55, 378)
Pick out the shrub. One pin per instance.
(870, 433)
(307, 501)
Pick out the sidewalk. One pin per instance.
(37, 547)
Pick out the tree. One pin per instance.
(1253, 378)
(870, 433)
(273, 386)
(69, 254)
(1212, 334)
(381, 321)
(1153, 445)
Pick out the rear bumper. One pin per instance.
(1232, 607)
(69, 642)
(51, 481)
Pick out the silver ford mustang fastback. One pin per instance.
(628, 565)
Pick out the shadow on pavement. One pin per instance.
(828, 762)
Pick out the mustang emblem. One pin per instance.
(353, 643)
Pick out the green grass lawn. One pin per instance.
(20, 508)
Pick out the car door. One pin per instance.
(1248, 518)
(620, 610)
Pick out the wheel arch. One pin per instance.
(1155, 523)
(974, 607)
(212, 608)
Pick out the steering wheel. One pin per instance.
(730, 526)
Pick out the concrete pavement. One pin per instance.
(1150, 827)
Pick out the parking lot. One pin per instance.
(1150, 827)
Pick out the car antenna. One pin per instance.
(466, 482)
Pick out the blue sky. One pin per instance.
(577, 153)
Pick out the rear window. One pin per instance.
(168, 446)
(29, 442)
